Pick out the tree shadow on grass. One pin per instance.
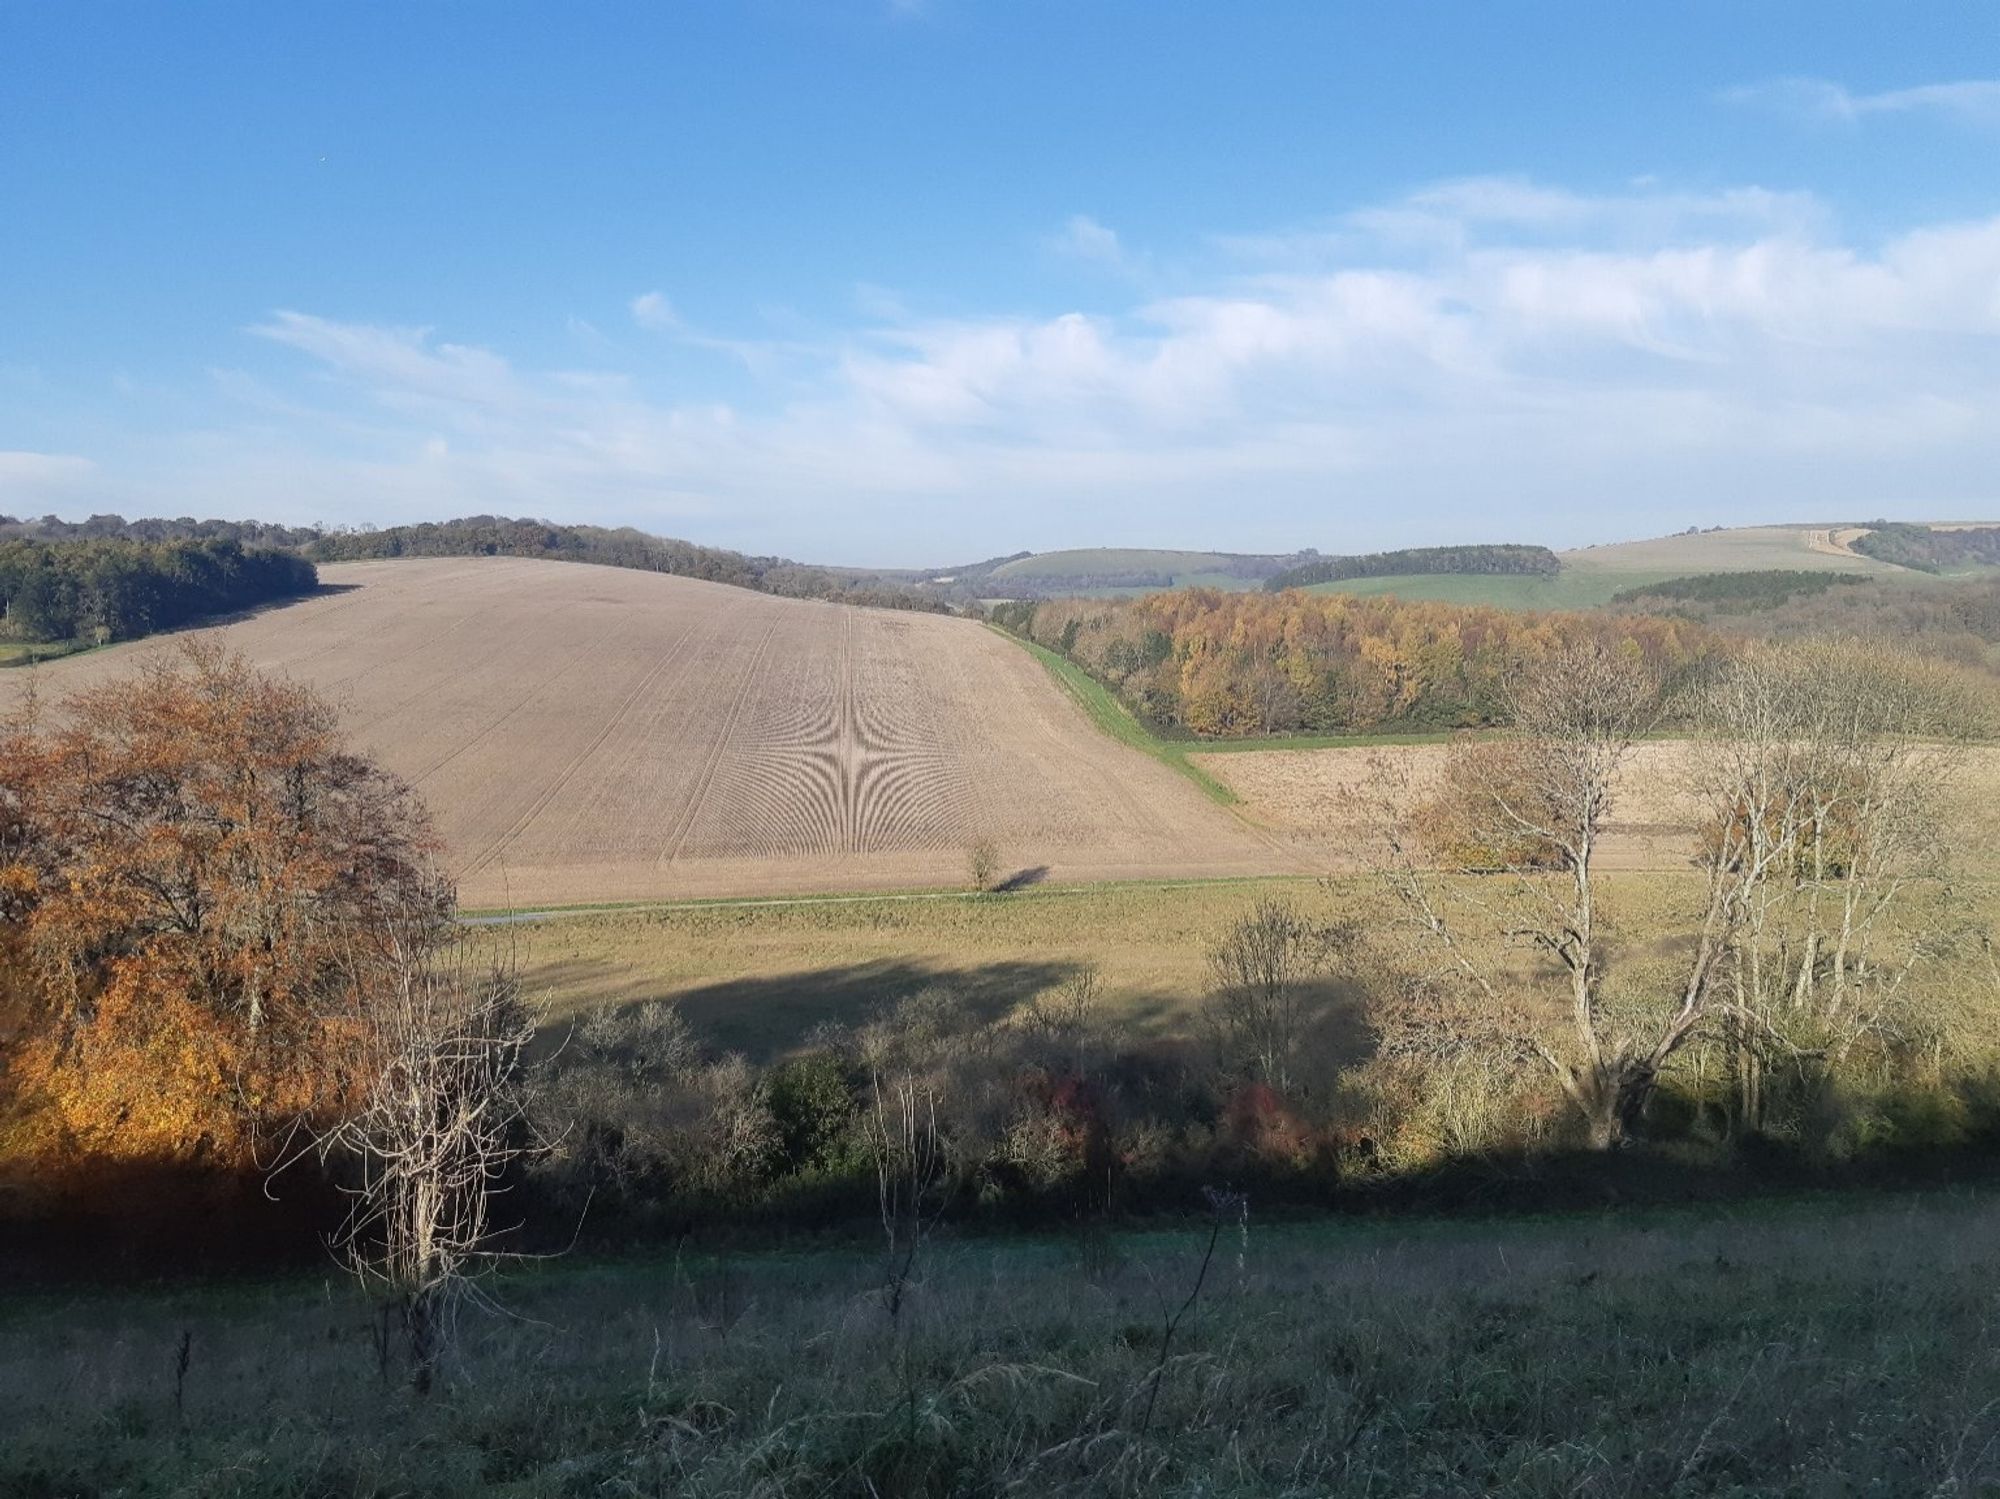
(1021, 879)
(771, 1015)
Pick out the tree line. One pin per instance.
(499, 536)
(1533, 561)
(112, 527)
(1953, 619)
(116, 589)
(1930, 549)
(1237, 664)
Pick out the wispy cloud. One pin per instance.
(1583, 364)
(651, 310)
(1972, 100)
(1083, 238)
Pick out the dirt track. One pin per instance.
(588, 733)
(1835, 543)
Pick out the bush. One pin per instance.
(812, 1104)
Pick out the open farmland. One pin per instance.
(1590, 576)
(1321, 802)
(1323, 799)
(595, 734)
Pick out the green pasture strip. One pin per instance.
(489, 915)
(33, 652)
(1321, 741)
(1114, 719)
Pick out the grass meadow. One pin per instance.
(758, 976)
(1812, 1347)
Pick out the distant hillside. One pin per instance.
(1591, 577)
(1113, 570)
(1121, 569)
(1955, 618)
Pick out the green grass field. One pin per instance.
(757, 977)
(1592, 575)
(1113, 718)
(1093, 561)
(1575, 587)
(1811, 1347)
(27, 653)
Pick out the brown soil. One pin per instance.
(587, 734)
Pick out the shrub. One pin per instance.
(813, 1107)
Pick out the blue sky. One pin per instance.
(918, 282)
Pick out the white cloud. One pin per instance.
(1972, 100)
(1486, 357)
(399, 362)
(1083, 238)
(653, 311)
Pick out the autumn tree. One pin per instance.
(197, 873)
(1229, 664)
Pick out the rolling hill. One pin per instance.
(596, 734)
(1590, 576)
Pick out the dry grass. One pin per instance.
(1812, 1348)
(1738, 549)
(759, 977)
(1313, 800)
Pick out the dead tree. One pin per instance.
(909, 1169)
(438, 1122)
(1263, 968)
(1817, 772)
(1538, 806)
(1822, 771)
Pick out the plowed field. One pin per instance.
(586, 733)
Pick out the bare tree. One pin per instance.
(1062, 1021)
(1823, 772)
(982, 863)
(909, 1170)
(1818, 768)
(1263, 968)
(437, 1125)
(1539, 808)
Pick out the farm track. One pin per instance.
(591, 734)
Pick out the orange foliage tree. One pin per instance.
(1231, 664)
(199, 882)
